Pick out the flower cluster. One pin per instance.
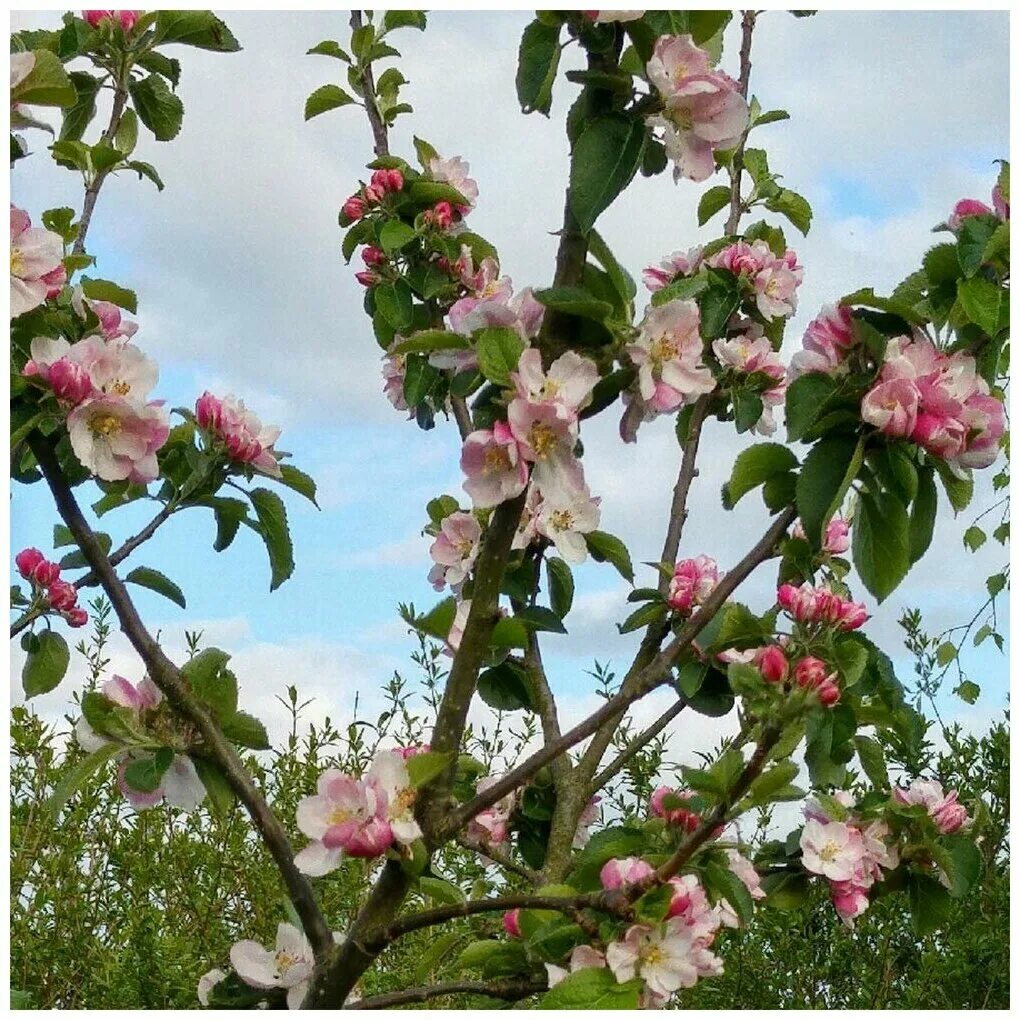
(836, 539)
(135, 709)
(37, 268)
(47, 587)
(703, 109)
(827, 340)
(126, 19)
(244, 438)
(669, 956)
(537, 442)
(692, 582)
(945, 809)
(454, 550)
(362, 817)
(936, 400)
(850, 854)
(771, 280)
(749, 354)
(808, 604)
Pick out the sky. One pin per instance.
(242, 289)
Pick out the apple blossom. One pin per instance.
(116, 439)
(388, 774)
(947, 812)
(207, 982)
(827, 340)
(581, 958)
(567, 384)
(494, 464)
(512, 923)
(289, 965)
(967, 207)
(180, 786)
(547, 439)
(776, 292)
(621, 871)
(28, 560)
(662, 804)
(36, 263)
(565, 517)
(587, 818)
(454, 171)
(492, 826)
(394, 366)
(746, 872)
(676, 265)
(126, 19)
(692, 582)
(244, 437)
(813, 809)
(773, 664)
(345, 815)
(454, 550)
(668, 353)
(667, 958)
(832, 849)
(354, 208)
(460, 619)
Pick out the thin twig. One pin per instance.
(635, 744)
(509, 991)
(379, 132)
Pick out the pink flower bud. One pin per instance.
(62, 595)
(374, 195)
(76, 617)
(69, 381)
(624, 871)
(810, 672)
(410, 752)
(353, 209)
(512, 923)
(679, 816)
(828, 691)
(442, 215)
(373, 256)
(837, 536)
(27, 560)
(46, 573)
(208, 411)
(381, 181)
(366, 279)
(394, 180)
(950, 815)
(964, 208)
(773, 665)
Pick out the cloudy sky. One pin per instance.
(242, 289)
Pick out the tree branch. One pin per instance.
(504, 860)
(91, 579)
(168, 679)
(737, 163)
(509, 991)
(379, 132)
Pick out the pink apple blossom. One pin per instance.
(985, 421)
(581, 958)
(663, 804)
(776, 291)
(454, 550)
(832, 849)
(36, 263)
(245, 439)
(460, 618)
(116, 439)
(667, 958)
(126, 19)
(27, 560)
(672, 267)
(565, 517)
(567, 384)
(588, 817)
(394, 366)
(621, 871)
(492, 826)
(668, 355)
(828, 339)
(692, 582)
(773, 665)
(207, 982)
(454, 171)
(345, 815)
(948, 813)
(964, 208)
(547, 439)
(512, 923)
(180, 786)
(494, 465)
(389, 776)
(288, 965)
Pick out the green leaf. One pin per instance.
(621, 279)
(922, 514)
(212, 682)
(930, 904)
(201, 29)
(158, 108)
(152, 579)
(971, 241)
(298, 481)
(592, 988)
(561, 585)
(606, 548)
(574, 301)
(404, 19)
(651, 612)
(540, 618)
(145, 774)
(272, 518)
(47, 84)
(78, 116)
(966, 864)
(509, 633)
(881, 542)
(804, 399)
(428, 340)
(395, 302)
(326, 97)
(146, 170)
(246, 731)
(711, 202)
(76, 777)
(229, 513)
(127, 133)
(104, 290)
(872, 759)
(604, 160)
(420, 380)
(982, 301)
(723, 884)
(537, 61)
(45, 664)
(755, 466)
(960, 491)
(505, 688)
(499, 350)
(717, 304)
(794, 207)
(828, 470)
(221, 796)
(780, 775)
(394, 235)
(968, 691)
(438, 620)
(423, 768)
(440, 890)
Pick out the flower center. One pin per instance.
(561, 520)
(284, 961)
(464, 547)
(339, 815)
(120, 387)
(542, 439)
(17, 262)
(663, 349)
(652, 956)
(683, 118)
(497, 459)
(105, 425)
(404, 800)
(829, 852)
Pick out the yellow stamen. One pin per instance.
(542, 439)
(105, 425)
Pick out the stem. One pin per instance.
(120, 98)
(379, 132)
(633, 746)
(23, 621)
(119, 555)
(168, 679)
(510, 991)
(737, 164)
(462, 416)
(504, 860)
